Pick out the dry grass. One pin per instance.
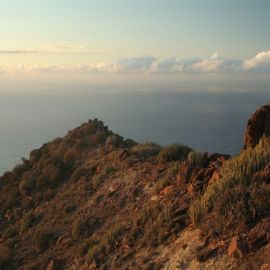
(146, 150)
(174, 152)
(236, 201)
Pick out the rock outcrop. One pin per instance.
(257, 126)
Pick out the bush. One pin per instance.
(99, 138)
(70, 157)
(5, 256)
(27, 221)
(195, 158)
(105, 245)
(129, 143)
(10, 232)
(146, 150)
(42, 239)
(27, 183)
(236, 200)
(78, 174)
(174, 152)
(79, 228)
(114, 140)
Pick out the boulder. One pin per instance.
(257, 126)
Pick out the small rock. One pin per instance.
(265, 266)
(51, 265)
(234, 250)
(167, 190)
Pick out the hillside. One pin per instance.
(94, 200)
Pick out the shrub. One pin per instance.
(105, 244)
(174, 152)
(5, 256)
(27, 221)
(10, 232)
(164, 182)
(114, 140)
(79, 228)
(41, 238)
(70, 157)
(110, 170)
(195, 158)
(27, 183)
(77, 174)
(146, 150)
(99, 137)
(236, 200)
(129, 143)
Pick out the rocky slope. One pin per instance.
(92, 200)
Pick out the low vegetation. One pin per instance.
(174, 152)
(146, 150)
(237, 200)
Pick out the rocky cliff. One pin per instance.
(94, 200)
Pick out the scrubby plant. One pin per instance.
(110, 170)
(114, 140)
(129, 143)
(27, 221)
(42, 238)
(195, 158)
(5, 256)
(99, 138)
(27, 183)
(174, 152)
(10, 232)
(146, 150)
(106, 243)
(77, 174)
(79, 228)
(164, 182)
(235, 197)
(70, 158)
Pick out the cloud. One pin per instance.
(261, 62)
(57, 49)
(152, 65)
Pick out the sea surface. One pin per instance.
(207, 121)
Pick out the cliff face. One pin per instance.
(92, 200)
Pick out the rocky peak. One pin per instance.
(257, 126)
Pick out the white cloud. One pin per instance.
(260, 62)
(152, 65)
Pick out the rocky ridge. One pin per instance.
(94, 200)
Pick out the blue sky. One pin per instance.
(134, 36)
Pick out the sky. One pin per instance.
(99, 41)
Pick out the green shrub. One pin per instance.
(195, 158)
(129, 143)
(174, 152)
(105, 244)
(146, 150)
(114, 140)
(79, 228)
(27, 183)
(10, 232)
(27, 221)
(110, 170)
(42, 238)
(5, 256)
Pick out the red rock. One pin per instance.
(167, 190)
(234, 250)
(257, 126)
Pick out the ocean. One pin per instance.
(206, 121)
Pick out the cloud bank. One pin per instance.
(153, 65)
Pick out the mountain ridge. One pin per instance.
(94, 200)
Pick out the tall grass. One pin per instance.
(235, 188)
